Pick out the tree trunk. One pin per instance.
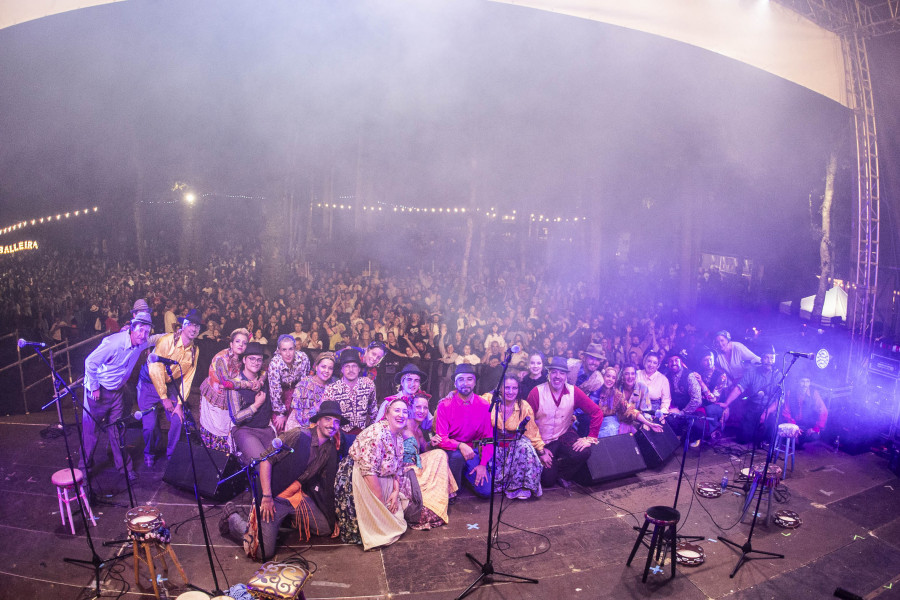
(826, 264)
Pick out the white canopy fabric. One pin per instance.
(756, 32)
(835, 305)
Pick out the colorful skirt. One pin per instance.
(518, 467)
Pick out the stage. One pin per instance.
(574, 541)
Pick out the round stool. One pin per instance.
(785, 444)
(62, 479)
(664, 520)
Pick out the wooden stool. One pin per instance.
(786, 443)
(151, 550)
(150, 540)
(664, 520)
(62, 479)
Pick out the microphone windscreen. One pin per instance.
(277, 443)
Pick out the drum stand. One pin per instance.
(487, 567)
(747, 548)
(187, 424)
(95, 562)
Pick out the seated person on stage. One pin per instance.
(758, 388)
(554, 405)
(687, 397)
(427, 468)
(804, 407)
(713, 383)
(518, 463)
(464, 426)
(409, 381)
(619, 414)
(373, 497)
(297, 484)
(156, 387)
(251, 411)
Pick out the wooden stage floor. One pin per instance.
(574, 541)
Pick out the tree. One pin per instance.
(826, 248)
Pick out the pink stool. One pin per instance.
(62, 479)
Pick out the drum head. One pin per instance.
(143, 519)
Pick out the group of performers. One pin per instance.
(364, 470)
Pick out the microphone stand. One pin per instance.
(120, 440)
(253, 478)
(487, 567)
(185, 422)
(687, 440)
(747, 548)
(95, 562)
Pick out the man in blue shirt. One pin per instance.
(106, 371)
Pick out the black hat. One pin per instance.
(558, 363)
(410, 369)
(193, 316)
(254, 349)
(328, 408)
(349, 355)
(464, 369)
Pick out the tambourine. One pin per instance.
(688, 554)
(788, 519)
(143, 519)
(709, 489)
(773, 474)
(192, 595)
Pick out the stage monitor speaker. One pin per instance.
(212, 466)
(657, 447)
(612, 458)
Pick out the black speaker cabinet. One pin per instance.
(612, 458)
(657, 447)
(212, 466)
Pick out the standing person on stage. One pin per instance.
(535, 376)
(554, 404)
(371, 358)
(463, 423)
(106, 371)
(224, 375)
(156, 387)
(409, 381)
(297, 484)
(355, 394)
(758, 388)
(733, 357)
(284, 372)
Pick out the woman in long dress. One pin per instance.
(369, 487)
(224, 375)
(518, 464)
(310, 392)
(427, 468)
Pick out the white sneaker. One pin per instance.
(523, 494)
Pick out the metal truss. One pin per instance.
(855, 21)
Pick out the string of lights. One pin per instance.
(43, 220)
(490, 213)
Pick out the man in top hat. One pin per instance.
(298, 483)
(463, 424)
(371, 358)
(409, 382)
(156, 386)
(106, 371)
(554, 403)
(355, 395)
(756, 389)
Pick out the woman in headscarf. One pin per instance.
(224, 375)
(310, 392)
(370, 490)
(518, 464)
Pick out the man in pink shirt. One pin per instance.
(554, 404)
(463, 423)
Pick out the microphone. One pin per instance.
(515, 349)
(137, 416)
(161, 359)
(658, 415)
(22, 343)
(278, 444)
(801, 354)
(523, 425)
